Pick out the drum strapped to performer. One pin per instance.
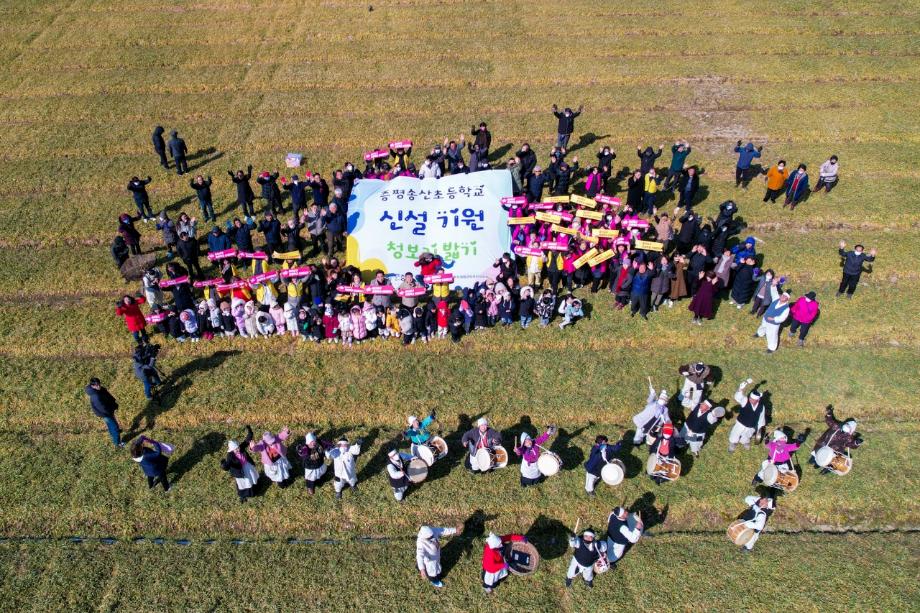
(666, 468)
(487, 459)
(417, 470)
(522, 557)
(785, 480)
(602, 565)
(548, 463)
(613, 472)
(837, 463)
(739, 533)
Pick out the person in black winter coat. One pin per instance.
(182, 293)
(119, 250)
(271, 230)
(528, 161)
(688, 185)
(852, 267)
(686, 237)
(563, 176)
(647, 158)
(189, 252)
(727, 212)
(178, 150)
(699, 259)
(239, 464)
(536, 184)
(159, 145)
(455, 324)
(483, 140)
(635, 190)
(320, 190)
(138, 189)
(104, 406)
(605, 159)
(298, 191)
(336, 227)
(270, 191)
(202, 188)
(566, 124)
(241, 235)
(244, 194)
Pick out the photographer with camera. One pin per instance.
(145, 369)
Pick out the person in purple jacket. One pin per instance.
(529, 452)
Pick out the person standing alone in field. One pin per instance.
(746, 155)
(852, 267)
(159, 145)
(566, 125)
(178, 150)
(104, 406)
(827, 177)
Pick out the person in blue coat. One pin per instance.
(796, 187)
(336, 227)
(138, 189)
(601, 454)
(178, 150)
(746, 155)
(241, 234)
(639, 291)
(217, 240)
(149, 454)
(298, 191)
(747, 249)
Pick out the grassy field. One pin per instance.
(84, 83)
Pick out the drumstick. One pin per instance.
(577, 522)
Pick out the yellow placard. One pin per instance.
(587, 255)
(548, 217)
(589, 214)
(648, 245)
(583, 201)
(556, 199)
(590, 239)
(601, 257)
(520, 221)
(563, 230)
(605, 233)
(287, 255)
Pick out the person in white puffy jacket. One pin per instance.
(343, 457)
(428, 552)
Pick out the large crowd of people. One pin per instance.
(292, 282)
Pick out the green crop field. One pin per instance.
(84, 83)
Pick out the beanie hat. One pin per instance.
(493, 541)
(232, 445)
(310, 437)
(425, 532)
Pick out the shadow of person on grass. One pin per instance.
(550, 536)
(571, 456)
(632, 456)
(178, 204)
(651, 515)
(203, 157)
(497, 154)
(585, 140)
(378, 461)
(474, 527)
(207, 445)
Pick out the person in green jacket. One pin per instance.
(418, 433)
(679, 152)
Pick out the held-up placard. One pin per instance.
(648, 245)
(582, 201)
(587, 255)
(589, 214)
(601, 257)
(563, 230)
(520, 221)
(605, 233)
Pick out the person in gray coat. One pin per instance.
(178, 150)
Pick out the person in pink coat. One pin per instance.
(804, 313)
(273, 453)
(358, 323)
(779, 454)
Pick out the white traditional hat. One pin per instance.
(493, 541)
(779, 435)
(411, 419)
(425, 532)
(232, 445)
(482, 421)
(849, 426)
(310, 438)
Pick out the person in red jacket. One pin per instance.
(130, 309)
(443, 316)
(429, 263)
(804, 313)
(494, 565)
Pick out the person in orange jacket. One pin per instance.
(776, 181)
(494, 565)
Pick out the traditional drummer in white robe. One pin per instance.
(751, 417)
(755, 517)
(773, 318)
(313, 457)
(587, 552)
(273, 453)
(697, 377)
(240, 466)
(623, 531)
(601, 454)
(654, 415)
(396, 472)
(428, 553)
(840, 437)
(664, 447)
(698, 423)
(529, 452)
(480, 437)
(343, 457)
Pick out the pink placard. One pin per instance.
(263, 277)
(349, 289)
(379, 290)
(376, 154)
(543, 206)
(226, 287)
(222, 255)
(208, 282)
(440, 278)
(411, 292)
(400, 144)
(527, 251)
(172, 282)
(155, 318)
(554, 246)
(611, 200)
(636, 223)
(514, 200)
(299, 271)
(621, 240)
(252, 255)
(565, 216)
